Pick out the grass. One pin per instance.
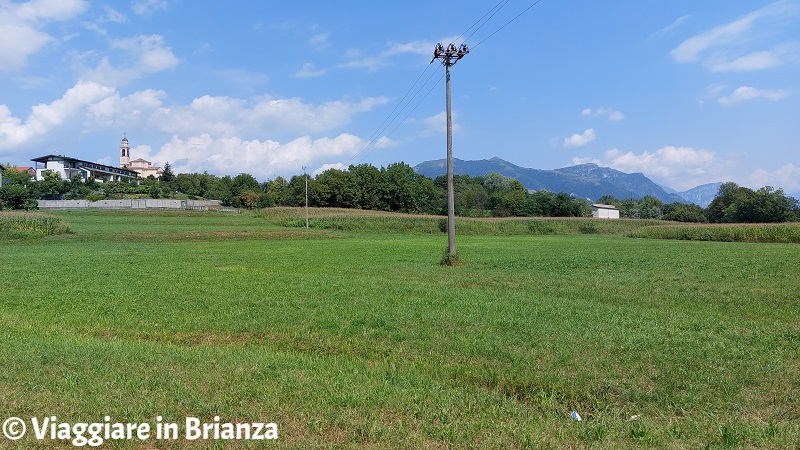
(352, 339)
(383, 222)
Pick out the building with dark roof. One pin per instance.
(69, 167)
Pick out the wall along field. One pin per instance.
(353, 339)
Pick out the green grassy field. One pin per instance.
(360, 339)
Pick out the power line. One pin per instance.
(410, 112)
(384, 125)
(508, 23)
(480, 23)
(492, 11)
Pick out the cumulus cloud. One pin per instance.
(385, 142)
(46, 117)
(21, 28)
(678, 167)
(262, 159)
(579, 140)
(228, 122)
(132, 111)
(324, 167)
(786, 178)
(228, 116)
(437, 124)
(733, 46)
(140, 56)
(749, 93)
(611, 114)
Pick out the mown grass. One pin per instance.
(361, 339)
(21, 225)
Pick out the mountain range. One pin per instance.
(583, 181)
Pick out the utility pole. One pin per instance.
(306, 178)
(449, 56)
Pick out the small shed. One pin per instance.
(601, 211)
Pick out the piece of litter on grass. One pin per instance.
(635, 417)
(575, 416)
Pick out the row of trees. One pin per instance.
(394, 188)
(397, 187)
(733, 204)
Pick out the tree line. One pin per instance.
(397, 188)
(733, 204)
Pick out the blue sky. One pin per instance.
(687, 92)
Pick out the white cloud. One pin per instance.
(385, 142)
(358, 60)
(437, 124)
(730, 47)
(579, 140)
(611, 114)
(786, 178)
(46, 117)
(324, 167)
(262, 159)
(234, 134)
(140, 56)
(20, 28)
(148, 7)
(319, 40)
(415, 47)
(672, 27)
(134, 110)
(678, 167)
(309, 71)
(749, 93)
(112, 15)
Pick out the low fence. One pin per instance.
(139, 203)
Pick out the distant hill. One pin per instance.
(701, 195)
(583, 181)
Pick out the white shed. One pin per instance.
(601, 211)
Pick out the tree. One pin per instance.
(13, 196)
(12, 175)
(365, 187)
(740, 204)
(52, 185)
(681, 212)
(277, 191)
(166, 175)
(650, 208)
(76, 188)
(333, 188)
(396, 181)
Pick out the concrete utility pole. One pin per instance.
(449, 56)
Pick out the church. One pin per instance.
(140, 166)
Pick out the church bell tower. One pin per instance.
(125, 153)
